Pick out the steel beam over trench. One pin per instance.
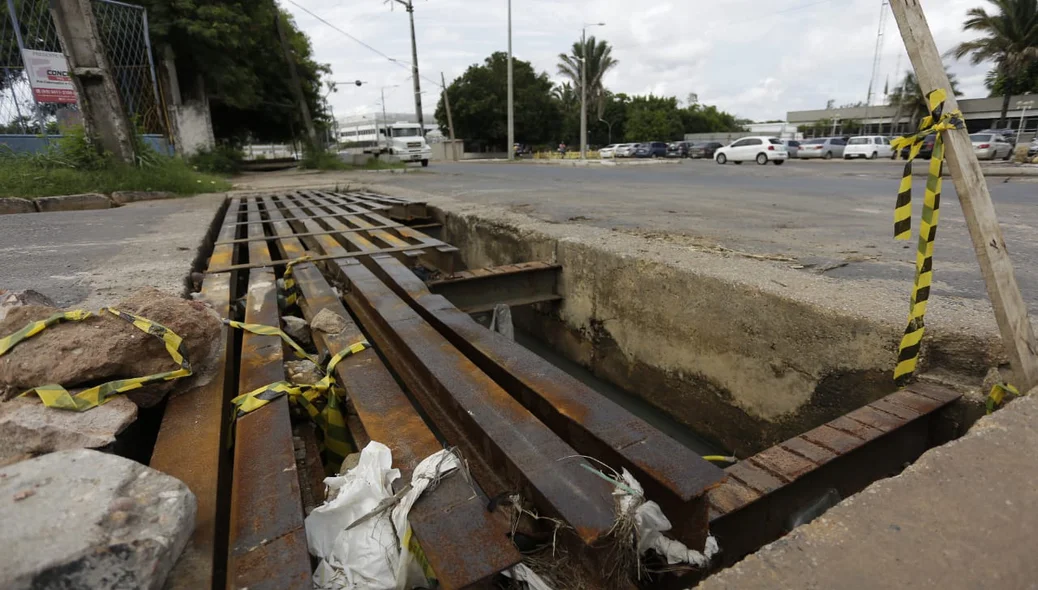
(464, 544)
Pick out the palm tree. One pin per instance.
(1009, 39)
(909, 98)
(600, 61)
(565, 95)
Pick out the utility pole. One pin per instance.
(104, 115)
(409, 6)
(511, 103)
(297, 85)
(450, 119)
(583, 88)
(988, 242)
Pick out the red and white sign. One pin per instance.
(48, 76)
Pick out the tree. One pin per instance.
(653, 118)
(697, 118)
(1009, 38)
(910, 99)
(229, 51)
(479, 102)
(1026, 83)
(599, 62)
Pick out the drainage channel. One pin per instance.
(418, 372)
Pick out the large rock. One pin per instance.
(105, 347)
(28, 428)
(84, 519)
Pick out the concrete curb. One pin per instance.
(13, 205)
(124, 197)
(82, 202)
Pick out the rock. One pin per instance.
(329, 322)
(124, 197)
(11, 205)
(73, 203)
(84, 519)
(9, 299)
(28, 428)
(297, 330)
(105, 347)
(303, 372)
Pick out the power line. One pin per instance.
(393, 60)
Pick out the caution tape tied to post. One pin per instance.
(936, 122)
(56, 396)
(291, 289)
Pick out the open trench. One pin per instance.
(534, 419)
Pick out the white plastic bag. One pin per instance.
(372, 554)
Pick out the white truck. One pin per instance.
(401, 141)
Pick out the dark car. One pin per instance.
(925, 152)
(678, 149)
(705, 149)
(652, 149)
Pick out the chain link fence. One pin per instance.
(123, 32)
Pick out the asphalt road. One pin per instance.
(831, 217)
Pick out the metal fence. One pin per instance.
(123, 32)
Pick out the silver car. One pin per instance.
(991, 146)
(626, 150)
(826, 148)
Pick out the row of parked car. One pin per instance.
(989, 144)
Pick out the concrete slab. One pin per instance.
(963, 516)
(89, 258)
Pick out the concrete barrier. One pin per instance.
(124, 197)
(73, 203)
(12, 205)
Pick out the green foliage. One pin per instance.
(653, 118)
(910, 100)
(323, 160)
(479, 104)
(230, 51)
(222, 159)
(1024, 83)
(600, 60)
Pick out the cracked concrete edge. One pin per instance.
(82, 202)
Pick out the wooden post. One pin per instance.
(104, 115)
(297, 85)
(450, 120)
(988, 241)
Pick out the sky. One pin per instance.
(755, 58)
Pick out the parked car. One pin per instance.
(608, 151)
(626, 150)
(753, 149)
(678, 149)
(925, 152)
(792, 146)
(868, 146)
(991, 146)
(826, 148)
(653, 149)
(1007, 134)
(1032, 151)
(705, 149)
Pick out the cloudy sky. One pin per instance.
(756, 58)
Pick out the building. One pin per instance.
(363, 127)
(980, 113)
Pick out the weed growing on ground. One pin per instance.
(73, 165)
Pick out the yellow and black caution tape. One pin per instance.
(264, 330)
(56, 396)
(330, 419)
(936, 122)
(998, 395)
(291, 289)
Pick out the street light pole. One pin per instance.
(511, 100)
(583, 88)
(409, 6)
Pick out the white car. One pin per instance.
(608, 151)
(626, 150)
(869, 147)
(991, 146)
(753, 149)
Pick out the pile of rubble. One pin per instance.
(76, 514)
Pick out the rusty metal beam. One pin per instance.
(320, 233)
(673, 475)
(479, 290)
(464, 544)
(504, 443)
(190, 444)
(267, 546)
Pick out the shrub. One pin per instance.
(222, 159)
